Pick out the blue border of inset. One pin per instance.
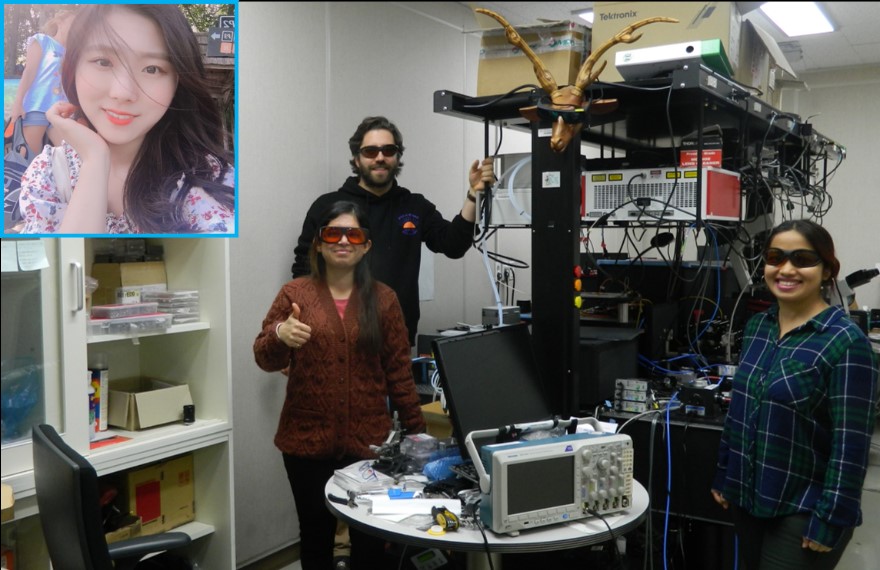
(235, 138)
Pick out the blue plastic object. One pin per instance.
(400, 494)
(439, 468)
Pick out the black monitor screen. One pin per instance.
(490, 380)
(536, 485)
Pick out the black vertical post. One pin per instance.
(556, 200)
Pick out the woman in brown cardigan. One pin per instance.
(342, 337)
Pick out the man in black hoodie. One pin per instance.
(400, 220)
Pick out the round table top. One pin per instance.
(573, 534)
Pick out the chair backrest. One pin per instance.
(69, 505)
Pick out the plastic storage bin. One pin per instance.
(130, 325)
(183, 304)
(117, 311)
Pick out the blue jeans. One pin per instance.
(34, 119)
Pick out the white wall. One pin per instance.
(845, 107)
(309, 72)
(283, 155)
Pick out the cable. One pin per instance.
(635, 417)
(649, 535)
(717, 287)
(735, 551)
(402, 556)
(511, 194)
(482, 530)
(501, 97)
(613, 536)
(668, 479)
(435, 384)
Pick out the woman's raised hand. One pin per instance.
(63, 116)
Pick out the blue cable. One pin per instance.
(717, 287)
(655, 366)
(680, 356)
(735, 551)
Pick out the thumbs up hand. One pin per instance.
(293, 332)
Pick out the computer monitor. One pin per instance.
(490, 380)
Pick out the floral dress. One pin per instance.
(43, 203)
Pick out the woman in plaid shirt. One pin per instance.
(794, 450)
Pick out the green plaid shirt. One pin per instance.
(798, 431)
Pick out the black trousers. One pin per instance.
(775, 544)
(317, 525)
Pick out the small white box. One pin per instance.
(128, 295)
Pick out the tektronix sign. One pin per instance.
(628, 15)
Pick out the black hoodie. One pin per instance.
(399, 221)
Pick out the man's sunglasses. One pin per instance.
(333, 234)
(798, 257)
(373, 151)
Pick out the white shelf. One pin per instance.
(195, 529)
(156, 444)
(144, 447)
(173, 329)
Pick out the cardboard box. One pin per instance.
(130, 529)
(763, 64)
(436, 420)
(162, 494)
(111, 276)
(8, 503)
(696, 21)
(140, 403)
(562, 48)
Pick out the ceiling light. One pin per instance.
(797, 18)
(586, 15)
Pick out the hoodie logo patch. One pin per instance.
(409, 224)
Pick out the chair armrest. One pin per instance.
(142, 545)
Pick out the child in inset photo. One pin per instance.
(40, 85)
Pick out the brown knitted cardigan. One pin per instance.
(336, 393)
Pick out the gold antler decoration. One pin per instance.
(571, 97)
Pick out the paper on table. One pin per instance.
(385, 506)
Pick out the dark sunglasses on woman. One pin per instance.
(799, 257)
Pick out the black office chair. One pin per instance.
(70, 512)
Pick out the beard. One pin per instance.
(378, 181)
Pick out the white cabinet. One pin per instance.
(195, 353)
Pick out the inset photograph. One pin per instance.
(119, 119)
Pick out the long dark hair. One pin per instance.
(180, 144)
(370, 335)
(819, 239)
